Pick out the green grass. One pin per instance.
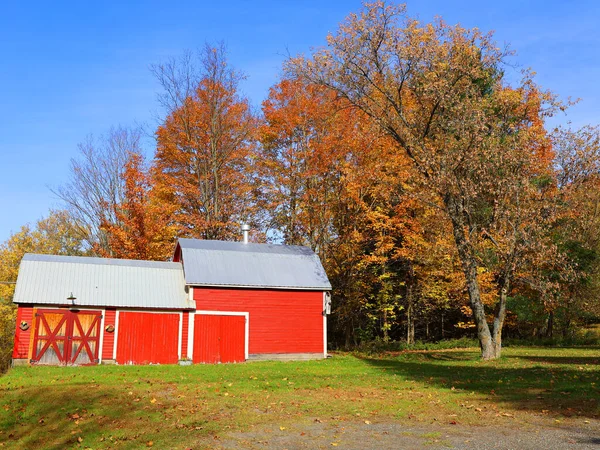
(183, 407)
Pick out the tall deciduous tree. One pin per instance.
(304, 139)
(96, 184)
(578, 171)
(141, 230)
(439, 91)
(205, 146)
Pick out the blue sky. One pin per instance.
(72, 69)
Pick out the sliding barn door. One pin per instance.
(219, 338)
(148, 338)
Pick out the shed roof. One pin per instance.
(235, 264)
(50, 279)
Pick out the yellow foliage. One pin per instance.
(8, 315)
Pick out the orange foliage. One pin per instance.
(140, 231)
(204, 153)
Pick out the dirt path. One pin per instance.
(576, 434)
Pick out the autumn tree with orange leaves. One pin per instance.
(205, 147)
(141, 230)
(304, 140)
(440, 93)
(331, 180)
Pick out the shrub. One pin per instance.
(379, 346)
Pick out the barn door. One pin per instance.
(84, 337)
(66, 337)
(148, 338)
(219, 338)
(50, 339)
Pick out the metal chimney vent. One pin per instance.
(245, 230)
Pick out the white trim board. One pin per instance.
(180, 336)
(101, 340)
(116, 335)
(324, 325)
(191, 324)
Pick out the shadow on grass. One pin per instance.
(562, 360)
(557, 389)
(71, 417)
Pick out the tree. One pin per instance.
(205, 147)
(56, 235)
(53, 235)
(478, 144)
(577, 161)
(299, 168)
(140, 230)
(96, 186)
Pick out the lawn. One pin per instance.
(191, 407)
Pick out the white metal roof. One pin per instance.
(235, 264)
(50, 279)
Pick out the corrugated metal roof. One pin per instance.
(50, 279)
(221, 263)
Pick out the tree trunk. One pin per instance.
(550, 324)
(499, 319)
(386, 336)
(410, 325)
(410, 316)
(469, 266)
(442, 328)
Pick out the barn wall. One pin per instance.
(22, 338)
(281, 321)
(108, 338)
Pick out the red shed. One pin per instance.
(281, 291)
(216, 302)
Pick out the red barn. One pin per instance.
(215, 302)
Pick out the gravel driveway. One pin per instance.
(575, 434)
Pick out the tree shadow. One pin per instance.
(567, 391)
(70, 417)
(562, 360)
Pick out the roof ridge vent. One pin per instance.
(245, 231)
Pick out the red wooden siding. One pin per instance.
(22, 338)
(108, 344)
(219, 338)
(177, 255)
(147, 338)
(281, 321)
(185, 326)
